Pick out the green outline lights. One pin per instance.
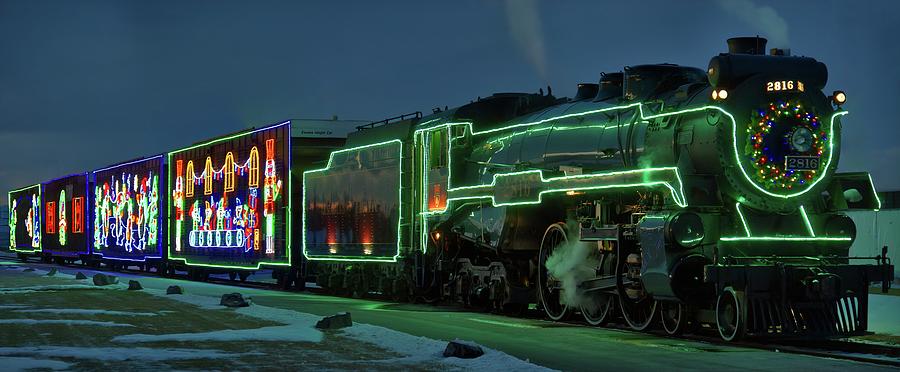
(399, 221)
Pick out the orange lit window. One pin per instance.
(229, 172)
(208, 179)
(189, 179)
(254, 167)
(78, 214)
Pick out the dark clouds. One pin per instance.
(85, 84)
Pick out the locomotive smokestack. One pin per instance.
(747, 45)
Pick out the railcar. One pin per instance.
(231, 201)
(128, 213)
(25, 220)
(65, 227)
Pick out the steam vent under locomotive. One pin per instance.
(663, 192)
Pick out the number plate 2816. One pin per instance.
(801, 163)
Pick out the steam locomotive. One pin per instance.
(663, 192)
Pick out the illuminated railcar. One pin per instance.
(128, 212)
(233, 202)
(229, 201)
(65, 231)
(25, 219)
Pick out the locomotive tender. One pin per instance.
(663, 192)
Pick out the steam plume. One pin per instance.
(764, 19)
(572, 263)
(524, 24)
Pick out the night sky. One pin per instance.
(84, 84)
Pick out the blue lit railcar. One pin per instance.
(128, 213)
(65, 231)
(25, 220)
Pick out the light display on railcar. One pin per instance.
(65, 210)
(25, 219)
(229, 200)
(128, 210)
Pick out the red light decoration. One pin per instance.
(51, 218)
(78, 215)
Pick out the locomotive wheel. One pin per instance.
(673, 316)
(602, 308)
(637, 307)
(554, 237)
(731, 315)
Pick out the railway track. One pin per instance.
(846, 349)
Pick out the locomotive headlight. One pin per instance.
(839, 97)
(686, 230)
(719, 94)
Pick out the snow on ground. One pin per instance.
(119, 353)
(288, 333)
(884, 314)
(70, 322)
(11, 307)
(423, 349)
(84, 312)
(22, 364)
(299, 327)
(56, 287)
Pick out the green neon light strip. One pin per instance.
(648, 117)
(399, 195)
(560, 182)
(737, 206)
(12, 242)
(643, 117)
(785, 238)
(809, 227)
(171, 185)
(874, 192)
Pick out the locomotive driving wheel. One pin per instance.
(550, 288)
(637, 306)
(731, 314)
(601, 306)
(674, 317)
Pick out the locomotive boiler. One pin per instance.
(663, 192)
